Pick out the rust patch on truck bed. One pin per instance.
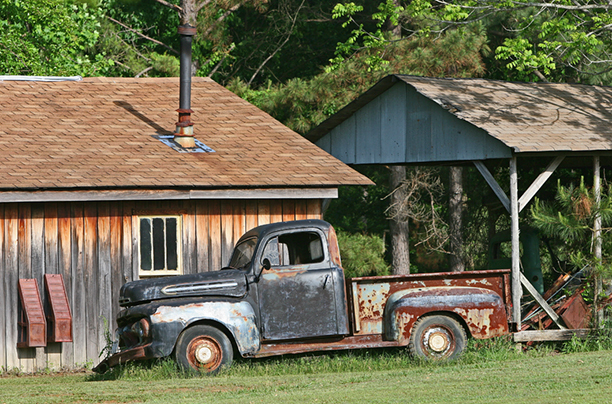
(371, 295)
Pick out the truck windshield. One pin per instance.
(243, 253)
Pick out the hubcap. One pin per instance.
(204, 353)
(438, 342)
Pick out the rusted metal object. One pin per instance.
(32, 324)
(284, 292)
(204, 352)
(478, 297)
(60, 317)
(577, 314)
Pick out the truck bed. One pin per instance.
(369, 295)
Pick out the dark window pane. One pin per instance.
(171, 244)
(159, 243)
(145, 244)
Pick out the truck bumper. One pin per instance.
(133, 354)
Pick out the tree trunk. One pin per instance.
(188, 15)
(398, 225)
(456, 219)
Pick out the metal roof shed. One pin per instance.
(417, 120)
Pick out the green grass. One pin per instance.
(489, 372)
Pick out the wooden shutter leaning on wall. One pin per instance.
(60, 318)
(32, 324)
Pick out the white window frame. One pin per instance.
(149, 273)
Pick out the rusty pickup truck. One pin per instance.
(284, 292)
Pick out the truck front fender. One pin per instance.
(237, 317)
(482, 310)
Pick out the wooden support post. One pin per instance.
(549, 335)
(486, 174)
(551, 313)
(537, 184)
(517, 290)
(597, 238)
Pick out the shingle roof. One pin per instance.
(528, 117)
(98, 133)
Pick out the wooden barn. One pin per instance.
(95, 188)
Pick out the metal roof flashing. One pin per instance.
(169, 140)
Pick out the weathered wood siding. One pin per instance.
(402, 126)
(94, 246)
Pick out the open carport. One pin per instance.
(408, 120)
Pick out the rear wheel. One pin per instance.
(202, 348)
(437, 337)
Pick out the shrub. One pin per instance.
(362, 254)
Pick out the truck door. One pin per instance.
(296, 295)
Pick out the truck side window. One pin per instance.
(294, 249)
(272, 252)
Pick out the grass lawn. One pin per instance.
(503, 376)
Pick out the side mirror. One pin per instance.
(266, 264)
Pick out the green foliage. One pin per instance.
(362, 255)
(360, 38)
(570, 219)
(560, 40)
(599, 340)
(302, 104)
(49, 38)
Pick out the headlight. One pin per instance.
(141, 328)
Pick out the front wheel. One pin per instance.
(437, 337)
(202, 348)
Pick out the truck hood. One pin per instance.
(227, 283)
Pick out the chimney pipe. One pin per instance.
(184, 127)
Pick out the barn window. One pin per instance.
(160, 245)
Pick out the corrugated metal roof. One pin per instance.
(99, 134)
(527, 117)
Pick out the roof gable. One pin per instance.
(474, 119)
(100, 133)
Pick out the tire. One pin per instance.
(203, 349)
(437, 338)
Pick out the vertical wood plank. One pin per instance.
(313, 207)
(90, 271)
(11, 276)
(38, 268)
(288, 210)
(250, 215)
(103, 277)
(214, 210)
(239, 220)
(51, 266)
(116, 221)
(125, 270)
(189, 235)
(51, 239)
(301, 211)
(227, 231)
(79, 293)
(202, 239)
(263, 212)
(517, 289)
(26, 355)
(64, 268)
(135, 243)
(393, 124)
(276, 211)
(4, 302)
